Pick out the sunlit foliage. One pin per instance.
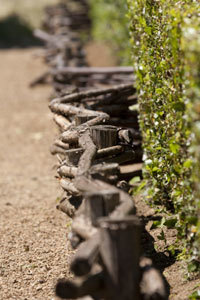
(110, 25)
(166, 49)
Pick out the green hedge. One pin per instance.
(166, 49)
(110, 25)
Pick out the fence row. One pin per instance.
(99, 151)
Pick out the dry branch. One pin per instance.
(110, 151)
(105, 169)
(93, 285)
(66, 207)
(90, 150)
(85, 256)
(69, 186)
(83, 227)
(78, 97)
(62, 122)
(93, 70)
(67, 171)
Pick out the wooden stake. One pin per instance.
(120, 252)
(100, 204)
(104, 136)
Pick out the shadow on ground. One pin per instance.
(16, 33)
(160, 259)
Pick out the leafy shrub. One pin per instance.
(166, 60)
(110, 25)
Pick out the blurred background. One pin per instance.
(18, 19)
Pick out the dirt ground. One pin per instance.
(34, 252)
(174, 272)
(32, 232)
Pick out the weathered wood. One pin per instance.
(93, 285)
(67, 171)
(104, 136)
(100, 204)
(110, 151)
(40, 80)
(83, 227)
(42, 35)
(93, 70)
(100, 103)
(69, 186)
(59, 143)
(126, 156)
(82, 118)
(122, 121)
(86, 142)
(126, 205)
(101, 119)
(57, 150)
(127, 172)
(62, 122)
(85, 256)
(70, 136)
(68, 110)
(125, 135)
(78, 97)
(66, 207)
(152, 285)
(105, 169)
(74, 239)
(120, 252)
(73, 156)
(86, 298)
(114, 110)
(123, 185)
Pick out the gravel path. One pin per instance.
(32, 233)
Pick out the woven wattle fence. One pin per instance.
(99, 151)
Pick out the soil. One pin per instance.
(174, 271)
(34, 252)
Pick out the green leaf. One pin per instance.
(155, 169)
(192, 267)
(170, 223)
(192, 220)
(135, 180)
(155, 224)
(195, 295)
(141, 186)
(174, 147)
(159, 91)
(187, 164)
(161, 236)
(179, 106)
